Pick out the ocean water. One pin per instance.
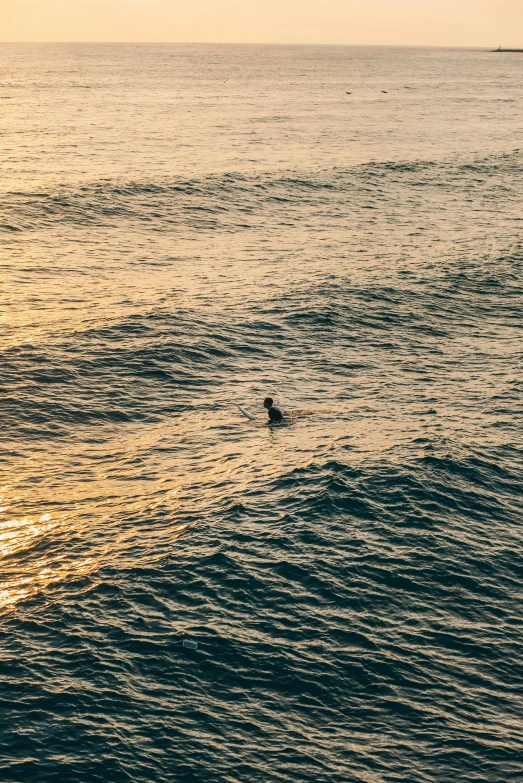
(185, 228)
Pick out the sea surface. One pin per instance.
(186, 228)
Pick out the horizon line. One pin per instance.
(253, 43)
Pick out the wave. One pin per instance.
(126, 370)
(234, 202)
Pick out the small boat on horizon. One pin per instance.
(499, 49)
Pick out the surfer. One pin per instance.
(275, 414)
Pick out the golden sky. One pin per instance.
(410, 22)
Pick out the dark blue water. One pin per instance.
(188, 228)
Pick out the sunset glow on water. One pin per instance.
(190, 228)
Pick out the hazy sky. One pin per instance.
(438, 22)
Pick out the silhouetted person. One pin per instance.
(275, 414)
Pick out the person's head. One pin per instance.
(268, 402)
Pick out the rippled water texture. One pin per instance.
(187, 228)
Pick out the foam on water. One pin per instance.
(352, 580)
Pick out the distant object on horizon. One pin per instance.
(499, 49)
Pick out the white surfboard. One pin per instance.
(246, 413)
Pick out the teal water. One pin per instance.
(185, 228)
